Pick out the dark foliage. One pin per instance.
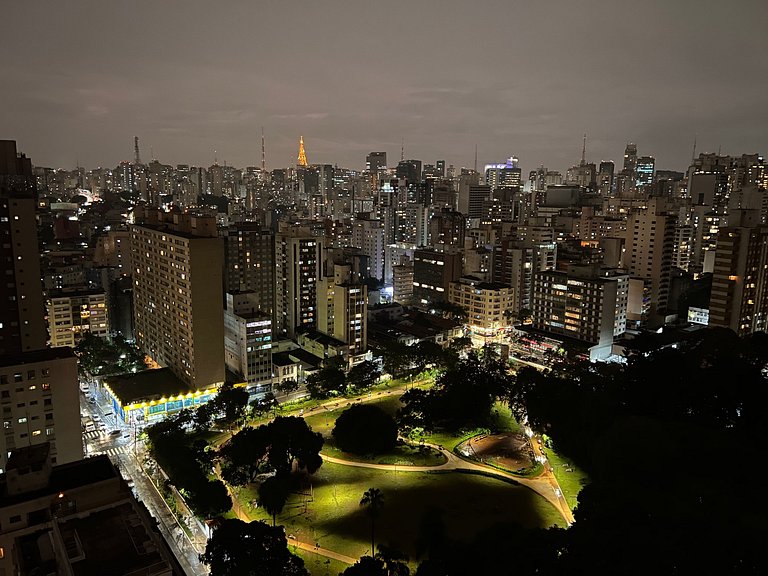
(364, 429)
(253, 549)
(277, 446)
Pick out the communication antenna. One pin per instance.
(136, 156)
(263, 153)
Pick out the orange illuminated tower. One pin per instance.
(302, 155)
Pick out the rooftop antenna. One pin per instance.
(263, 153)
(584, 151)
(136, 156)
(215, 158)
(152, 153)
(475, 158)
(402, 149)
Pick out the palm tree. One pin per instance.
(373, 500)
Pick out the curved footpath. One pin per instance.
(545, 484)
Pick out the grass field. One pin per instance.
(570, 482)
(331, 515)
(319, 565)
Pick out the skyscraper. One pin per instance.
(22, 313)
(249, 263)
(178, 305)
(298, 255)
(375, 161)
(644, 172)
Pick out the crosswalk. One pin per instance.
(116, 451)
(93, 435)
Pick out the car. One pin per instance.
(115, 433)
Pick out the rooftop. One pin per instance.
(146, 385)
(34, 356)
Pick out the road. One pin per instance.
(127, 456)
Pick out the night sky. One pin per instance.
(81, 79)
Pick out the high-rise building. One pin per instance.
(630, 158)
(447, 227)
(739, 299)
(506, 175)
(649, 246)
(433, 272)
(368, 235)
(177, 273)
(22, 313)
(644, 172)
(375, 161)
(402, 288)
(343, 308)
(605, 178)
(248, 340)
(298, 255)
(249, 263)
(409, 170)
(485, 303)
(74, 313)
(515, 262)
(476, 196)
(583, 303)
(41, 403)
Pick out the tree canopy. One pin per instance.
(282, 445)
(253, 549)
(365, 429)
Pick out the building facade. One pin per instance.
(177, 275)
(485, 302)
(74, 313)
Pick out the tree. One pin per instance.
(328, 381)
(273, 494)
(209, 499)
(287, 386)
(253, 549)
(229, 404)
(365, 429)
(363, 376)
(263, 405)
(397, 358)
(373, 501)
(281, 445)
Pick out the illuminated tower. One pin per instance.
(302, 155)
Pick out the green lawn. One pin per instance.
(401, 455)
(329, 511)
(570, 482)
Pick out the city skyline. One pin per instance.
(441, 78)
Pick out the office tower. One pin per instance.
(368, 235)
(515, 262)
(402, 289)
(77, 518)
(177, 273)
(605, 178)
(506, 175)
(466, 180)
(41, 403)
(648, 257)
(447, 227)
(297, 267)
(644, 172)
(739, 299)
(440, 166)
(249, 263)
(375, 161)
(248, 340)
(475, 197)
(584, 303)
(630, 158)
(708, 179)
(343, 308)
(485, 303)
(73, 313)
(409, 170)
(433, 273)
(22, 313)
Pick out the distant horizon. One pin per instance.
(82, 78)
(392, 160)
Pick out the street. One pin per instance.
(118, 441)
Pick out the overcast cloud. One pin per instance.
(81, 79)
